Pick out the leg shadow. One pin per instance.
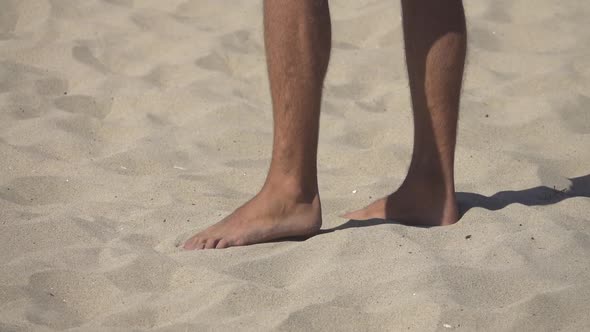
(536, 196)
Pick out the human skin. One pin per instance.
(298, 43)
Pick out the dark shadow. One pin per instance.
(536, 196)
(366, 223)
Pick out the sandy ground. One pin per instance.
(127, 125)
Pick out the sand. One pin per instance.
(125, 126)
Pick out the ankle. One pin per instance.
(430, 181)
(291, 188)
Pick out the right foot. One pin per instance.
(271, 215)
(417, 202)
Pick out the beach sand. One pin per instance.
(126, 126)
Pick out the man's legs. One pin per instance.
(298, 41)
(435, 38)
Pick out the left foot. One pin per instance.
(417, 203)
(270, 215)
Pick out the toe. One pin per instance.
(222, 244)
(194, 243)
(201, 244)
(211, 243)
(190, 244)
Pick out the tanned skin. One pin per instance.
(297, 37)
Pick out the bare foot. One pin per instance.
(417, 203)
(269, 216)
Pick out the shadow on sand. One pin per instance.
(537, 196)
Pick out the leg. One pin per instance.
(298, 40)
(435, 38)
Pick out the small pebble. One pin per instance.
(468, 237)
(448, 326)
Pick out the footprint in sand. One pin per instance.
(240, 41)
(122, 3)
(64, 299)
(8, 19)
(150, 272)
(83, 54)
(85, 105)
(38, 190)
(215, 62)
(575, 114)
(51, 86)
